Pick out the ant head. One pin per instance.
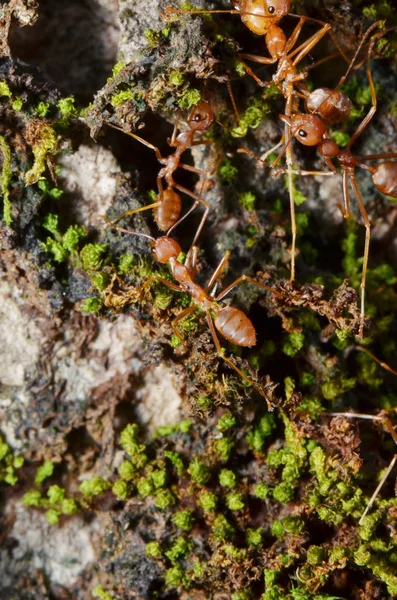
(201, 117)
(260, 15)
(308, 129)
(165, 248)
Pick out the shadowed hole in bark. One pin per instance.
(74, 43)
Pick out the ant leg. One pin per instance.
(377, 360)
(198, 199)
(199, 142)
(304, 173)
(128, 213)
(139, 139)
(239, 280)
(220, 353)
(191, 169)
(367, 226)
(180, 317)
(293, 38)
(379, 487)
(218, 271)
(169, 284)
(191, 261)
(345, 208)
(309, 44)
(230, 90)
(290, 181)
(378, 156)
(372, 110)
(171, 142)
(262, 60)
(330, 32)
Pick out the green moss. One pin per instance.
(121, 489)
(52, 516)
(252, 117)
(227, 170)
(227, 478)
(315, 555)
(179, 549)
(235, 501)
(101, 593)
(91, 305)
(257, 436)
(198, 471)
(184, 519)
(45, 471)
(283, 492)
(144, 487)
(6, 174)
(223, 448)
(175, 460)
(293, 343)
(66, 107)
(262, 491)
(126, 263)
(92, 256)
(226, 421)
(176, 78)
(42, 109)
(153, 550)
(175, 577)
(121, 98)
(32, 498)
(69, 506)
(45, 143)
(247, 200)
(94, 487)
(4, 89)
(190, 98)
(222, 529)
(55, 494)
(207, 501)
(254, 537)
(164, 499)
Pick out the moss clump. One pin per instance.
(9, 464)
(44, 143)
(6, 180)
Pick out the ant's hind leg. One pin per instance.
(180, 317)
(239, 280)
(220, 353)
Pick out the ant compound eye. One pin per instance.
(271, 9)
(302, 133)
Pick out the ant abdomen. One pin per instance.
(331, 105)
(167, 213)
(235, 326)
(384, 177)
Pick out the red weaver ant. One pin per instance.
(312, 130)
(232, 323)
(167, 208)
(262, 18)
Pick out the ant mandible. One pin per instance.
(232, 323)
(167, 208)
